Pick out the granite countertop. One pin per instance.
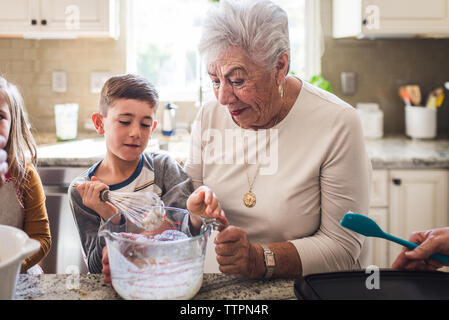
(90, 149)
(396, 152)
(91, 287)
(405, 153)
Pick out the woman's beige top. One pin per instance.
(314, 170)
(27, 211)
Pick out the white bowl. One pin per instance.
(15, 245)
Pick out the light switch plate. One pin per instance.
(59, 81)
(97, 80)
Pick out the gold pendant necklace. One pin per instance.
(249, 198)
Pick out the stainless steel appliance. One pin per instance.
(66, 254)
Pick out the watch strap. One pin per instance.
(270, 262)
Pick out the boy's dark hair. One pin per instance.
(127, 86)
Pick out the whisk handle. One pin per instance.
(104, 195)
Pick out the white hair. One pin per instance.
(258, 26)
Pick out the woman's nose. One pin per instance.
(225, 94)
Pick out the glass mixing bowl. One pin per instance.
(145, 268)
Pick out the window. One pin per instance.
(163, 37)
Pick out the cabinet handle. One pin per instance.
(33, 22)
(44, 22)
(397, 182)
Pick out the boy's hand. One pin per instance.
(90, 194)
(106, 270)
(203, 202)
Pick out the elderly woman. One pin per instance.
(285, 208)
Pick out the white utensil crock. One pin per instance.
(420, 122)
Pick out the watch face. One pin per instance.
(270, 260)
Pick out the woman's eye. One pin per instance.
(125, 123)
(237, 82)
(146, 125)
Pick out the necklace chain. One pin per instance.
(249, 198)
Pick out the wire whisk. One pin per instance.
(144, 209)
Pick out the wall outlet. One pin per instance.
(97, 80)
(59, 81)
(348, 83)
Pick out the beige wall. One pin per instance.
(29, 64)
(384, 65)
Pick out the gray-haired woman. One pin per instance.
(284, 206)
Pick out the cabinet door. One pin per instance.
(16, 17)
(405, 16)
(75, 15)
(418, 201)
(379, 189)
(379, 247)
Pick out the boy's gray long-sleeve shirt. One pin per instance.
(169, 177)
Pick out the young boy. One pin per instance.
(126, 119)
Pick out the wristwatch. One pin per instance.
(270, 262)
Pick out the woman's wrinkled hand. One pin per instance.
(430, 242)
(235, 254)
(203, 202)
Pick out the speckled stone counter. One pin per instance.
(91, 287)
(405, 153)
(87, 152)
(387, 153)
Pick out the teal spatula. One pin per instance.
(366, 226)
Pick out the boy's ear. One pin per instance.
(97, 119)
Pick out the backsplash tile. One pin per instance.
(382, 66)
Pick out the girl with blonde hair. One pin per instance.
(22, 196)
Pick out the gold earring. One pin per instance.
(281, 90)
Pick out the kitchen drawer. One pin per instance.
(379, 188)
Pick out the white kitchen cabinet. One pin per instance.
(379, 247)
(379, 213)
(379, 189)
(59, 18)
(386, 18)
(403, 201)
(418, 201)
(18, 16)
